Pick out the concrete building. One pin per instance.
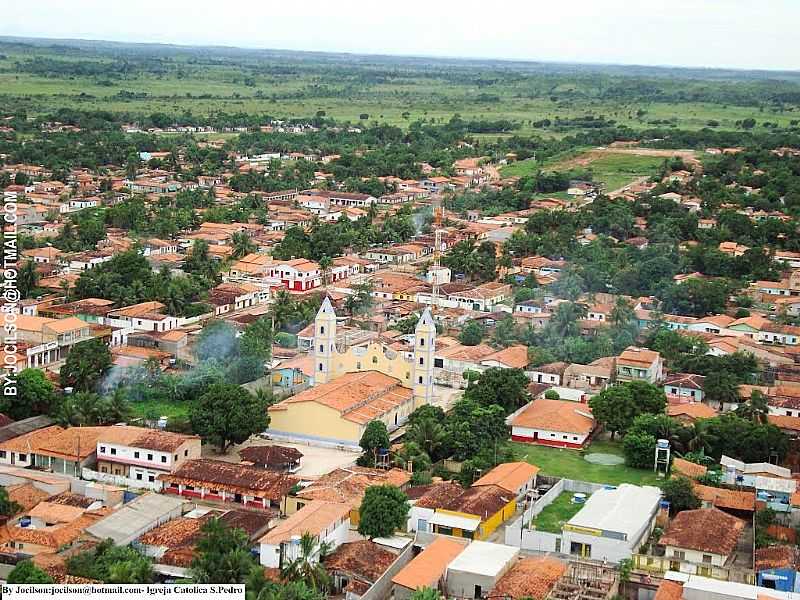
(136, 518)
(478, 568)
(613, 523)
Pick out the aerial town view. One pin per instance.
(429, 302)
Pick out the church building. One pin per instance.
(356, 385)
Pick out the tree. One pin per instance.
(257, 339)
(639, 449)
(472, 428)
(360, 301)
(374, 438)
(504, 387)
(35, 396)
(111, 564)
(242, 244)
(228, 414)
(27, 572)
(307, 567)
(430, 435)
(325, 264)
(8, 507)
(27, 278)
(222, 555)
(472, 334)
(680, 494)
(616, 407)
(259, 588)
(755, 409)
(383, 511)
(86, 365)
(721, 387)
(426, 593)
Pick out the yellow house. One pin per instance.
(475, 514)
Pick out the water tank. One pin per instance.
(25, 522)
(663, 444)
(664, 505)
(162, 422)
(67, 390)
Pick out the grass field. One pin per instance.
(396, 91)
(571, 464)
(618, 170)
(555, 514)
(160, 409)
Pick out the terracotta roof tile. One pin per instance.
(347, 485)
(429, 566)
(364, 559)
(690, 469)
(724, 498)
(529, 578)
(704, 530)
(777, 557)
(693, 410)
(669, 590)
(556, 415)
(227, 476)
(509, 476)
(26, 495)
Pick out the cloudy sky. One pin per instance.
(751, 34)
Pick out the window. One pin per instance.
(374, 360)
(23, 457)
(707, 558)
(421, 360)
(136, 454)
(113, 450)
(139, 476)
(102, 449)
(186, 452)
(151, 478)
(420, 379)
(2, 453)
(320, 366)
(421, 341)
(322, 347)
(175, 458)
(679, 554)
(163, 458)
(322, 329)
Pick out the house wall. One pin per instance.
(782, 580)
(335, 535)
(310, 418)
(544, 437)
(692, 558)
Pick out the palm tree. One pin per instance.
(325, 263)
(242, 244)
(622, 314)
(755, 409)
(282, 308)
(307, 567)
(27, 278)
(429, 434)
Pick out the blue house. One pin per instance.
(776, 568)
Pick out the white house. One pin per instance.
(327, 522)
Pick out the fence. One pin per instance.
(658, 565)
(119, 480)
(519, 533)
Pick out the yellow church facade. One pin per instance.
(353, 386)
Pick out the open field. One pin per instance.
(160, 409)
(555, 514)
(571, 464)
(46, 75)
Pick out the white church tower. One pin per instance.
(324, 342)
(424, 350)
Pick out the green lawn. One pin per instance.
(571, 465)
(618, 170)
(162, 409)
(555, 514)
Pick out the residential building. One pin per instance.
(477, 570)
(699, 541)
(356, 566)
(559, 423)
(275, 458)
(327, 522)
(215, 480)
(141, 454)
(517, 478)
(427, 569)
(639, 364)
(684, 387)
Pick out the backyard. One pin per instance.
(555, 514)
(571, 464)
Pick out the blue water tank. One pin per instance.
(25, 522)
